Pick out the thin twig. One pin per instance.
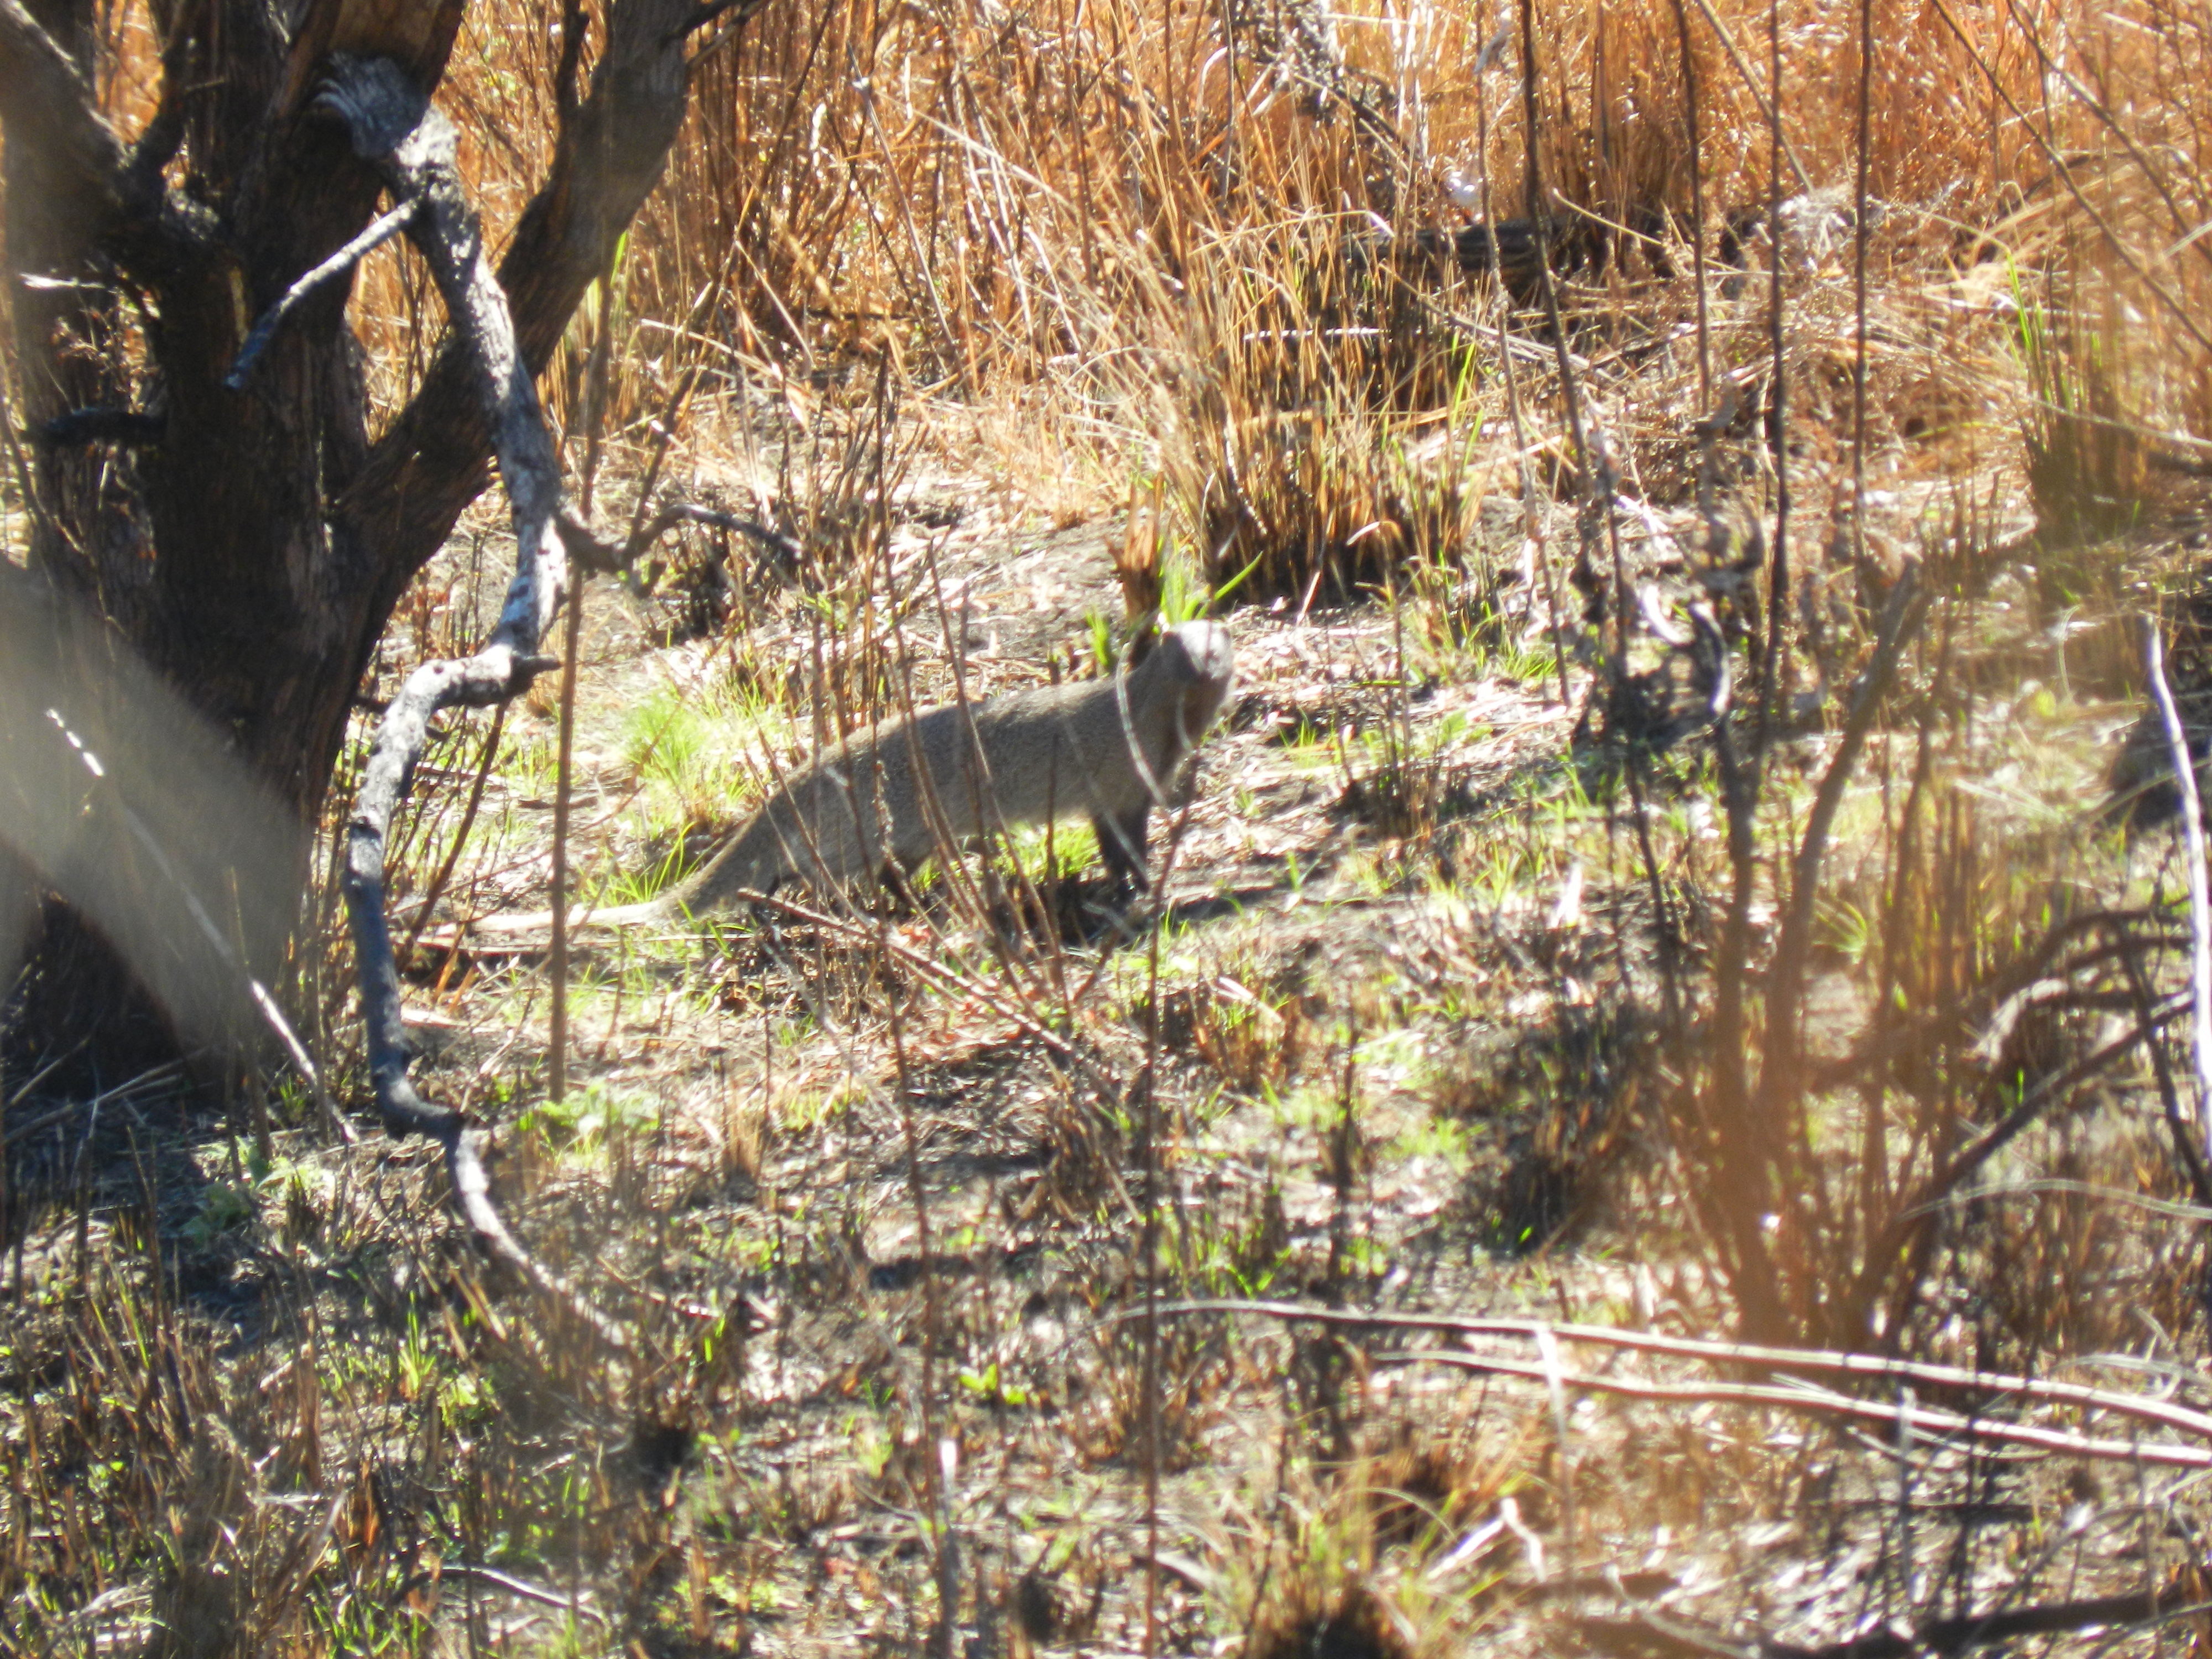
(2174, 304)
(2200, 908)
(1766, 110)
(1821, 1402)
(522, 1588)
(379, 232)
(1772, 682)
(1865, 143)
(941, 1469)
(1534, 532)
(1903, 1245)
(946, 979)
(1900, 621)
(1691, 97)
(595, 390)
(437, 887)
(1657, 1633)
(2178, 1120)
(1788, 1361)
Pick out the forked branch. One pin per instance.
(46, 105)
(392, 126)
(41, 90)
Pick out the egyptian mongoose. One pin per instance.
(1108, 750)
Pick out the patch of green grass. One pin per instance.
(1515, 659)
(1496, 873)
(1073, 848)
(804, 1113)
(1316, 1104)
(584, 1120)
(1309, 746)
(695, 749)
(1445, 1138)
(634, 885)
(225, 1206)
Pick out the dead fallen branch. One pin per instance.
(1656, 1633)
(1988, 1385)
(789, 555)
(1808, 1402)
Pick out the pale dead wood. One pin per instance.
(1808, 1402)
(1654, 1632)
(1785, 1360)
(2200, 908)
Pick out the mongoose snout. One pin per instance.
(895, 793)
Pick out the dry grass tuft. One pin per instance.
(1662, 957)
(1355, 1625)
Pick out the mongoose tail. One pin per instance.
(1108, 749)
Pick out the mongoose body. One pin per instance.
(1106, 749)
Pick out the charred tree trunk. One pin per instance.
(250, 544)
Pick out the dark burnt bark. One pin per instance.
(435, 458)
(252, 551)
(391, 123)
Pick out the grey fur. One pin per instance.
(1108, 750)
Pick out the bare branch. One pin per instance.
(2200, 907)
(46, 106)
(1807, 1402)
(100, 425)
(431, 462)
(379, 232)
(788, 552)
(159, 140)
(1661, 1633)
(740, 11)
(493, 675)
(41, 93)
(1786, 1361)
(392, 126)
(1900, 621)
(1911, 1228)
(573, 26)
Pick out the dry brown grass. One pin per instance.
(889, 1197)
(1152, 236)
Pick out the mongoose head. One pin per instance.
(1194, 658)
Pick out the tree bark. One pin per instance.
(251, 547)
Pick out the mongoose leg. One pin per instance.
(1122, 844)
(867, 802)
(896, 877)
